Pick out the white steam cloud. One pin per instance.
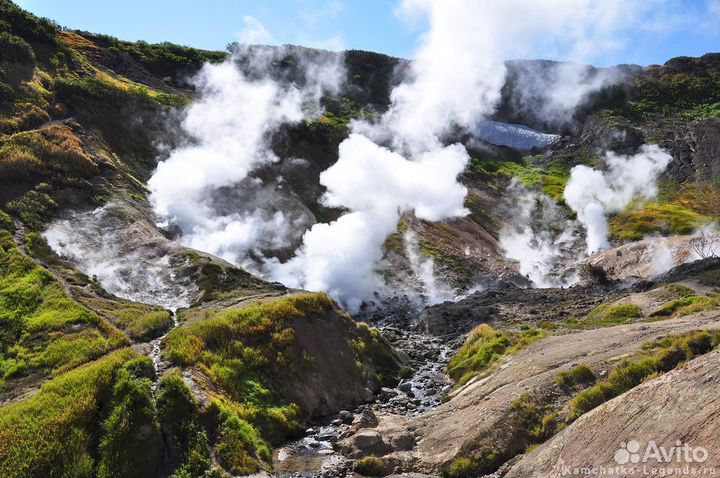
(592, 193)
(400, 164)
(123, 256)
(434, 289)
(377, 186)
(551, 92)
(229, 130)
(538, 235)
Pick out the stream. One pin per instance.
(317, 454)
(156, 352)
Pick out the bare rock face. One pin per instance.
(680, 406)
(645, 259)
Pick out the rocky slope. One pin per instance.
(125, 353)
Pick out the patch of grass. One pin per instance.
(607, 314)
(484, 346)
(522, 426)
(549, 178)
(42, 329)
(577, 376)
(59, 149)
(240, 447)
(188, 450)
(680, 290)
(374, 350)
(251, 354)
(664, 219)
(52, 433)
(100, 95)
(131, 444)
(370, 466)
(138, 321)
(656, 357)
(685, 306)
(35, 207)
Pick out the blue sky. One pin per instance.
(688, 27)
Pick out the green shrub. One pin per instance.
(579, 375)
(685, 306)
(240, 447)
(370, 466)
(131, 443)
(461, 468)
(50, 433)
(608, 314)
(484, 346)
(17, 58)
(655, 218)
(656, 357)
(187, 449)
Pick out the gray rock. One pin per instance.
(366, 419)
(405, 386)
(367, 439)
(346, 417)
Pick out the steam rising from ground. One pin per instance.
(99, 243)
(397, 165)
(550, 92)
(400, 164)
(424, 269)
(229, 131)
(592, 193)
(540, 237)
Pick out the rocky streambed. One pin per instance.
(321, 453)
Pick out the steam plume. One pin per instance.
(424, 269)
(229, 132)
(539, 236)
(107, 247)
(400, 164)
(592, 193)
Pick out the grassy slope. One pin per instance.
(44, 332)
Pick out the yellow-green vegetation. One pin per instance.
(374, 351)
(138, 321)
(656, 357)
(254, 359)
(95, 96)
(50, 150)
(550, 178)
(245, 351)
(370, 466)
(240, 447)
(187, 448)
(577, 376)
(131, 444)
(665, 219)
(53, 433)
(530, 171)
(523, 425)
(42, 329)
(685, 306)
(608, 314)
(483, 347)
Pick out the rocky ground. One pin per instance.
(425, 423)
